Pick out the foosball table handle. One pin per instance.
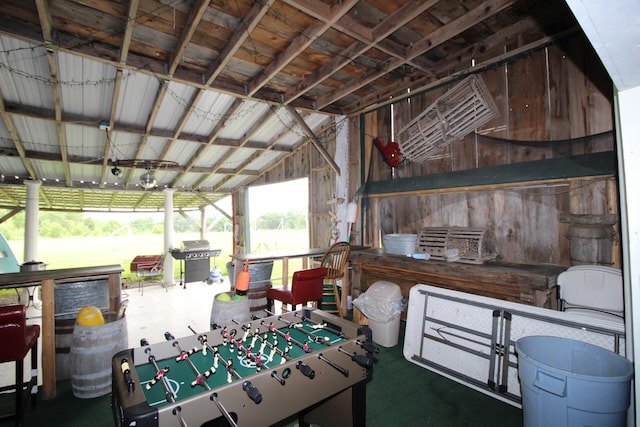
(368, 347)
(306, 370)
(363, 360)
(253, 393)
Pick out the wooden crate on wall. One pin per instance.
(465, 107)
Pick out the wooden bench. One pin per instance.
(146, 267)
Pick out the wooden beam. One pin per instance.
(10, 214)
(46, 24)
(15, 137)
(383, 97)
(537, 172)
(237, 103)
(128, 30)
(184, 215)
(335, 64)
(124, 52)
(437, 37)
(195, 16)
(314, 139)
(109, 132)
(457, 26)
(241, 33)
(299, 44)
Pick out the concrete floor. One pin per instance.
(158, 309)
(150, 313)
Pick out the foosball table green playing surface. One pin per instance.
(305, 362)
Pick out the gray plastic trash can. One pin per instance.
(382, 304)
(572, 383)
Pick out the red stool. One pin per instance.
(306, 286)
(18, 339)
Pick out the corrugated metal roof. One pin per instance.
(201, 92)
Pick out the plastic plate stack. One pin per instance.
(399, 244)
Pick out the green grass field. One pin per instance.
(95, 251)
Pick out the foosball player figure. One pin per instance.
(158, 377)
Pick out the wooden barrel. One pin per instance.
(64, 332)
(591, 244)
(92, 348)
(223, 312)
(258, 300)
(63, 336)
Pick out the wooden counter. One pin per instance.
(283, 256)
(522, 283)
(47, 279)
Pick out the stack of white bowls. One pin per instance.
(399, 244)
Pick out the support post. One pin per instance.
(31, 221)
(168, 236)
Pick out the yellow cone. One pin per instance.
(90, 316)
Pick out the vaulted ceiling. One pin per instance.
(208, 95)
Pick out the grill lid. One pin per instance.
(195, 245)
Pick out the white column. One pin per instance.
(168, 236)
(31, 221)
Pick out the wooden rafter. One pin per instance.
(241, 33)
(124, 51)
(299, 44)
(437, 37)
(314, 139)
(52, 59)
(15, 137)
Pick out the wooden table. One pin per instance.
(283, 256)
(46, 279)
(523, 283)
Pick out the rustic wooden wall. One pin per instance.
(555, 94)
(322, 184)
(559, 93)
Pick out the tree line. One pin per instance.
(73, 224)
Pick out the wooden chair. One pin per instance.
(18, 339)
(335, 261)
(306, 286)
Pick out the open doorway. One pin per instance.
(279, 216)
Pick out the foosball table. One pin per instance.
(305, 362)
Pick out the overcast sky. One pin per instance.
(283, 197)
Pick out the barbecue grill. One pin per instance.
(194, 257)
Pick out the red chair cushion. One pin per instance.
(282, 293)
(16, 336)
(306, 285)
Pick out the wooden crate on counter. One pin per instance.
(476, 245)
(433, 241)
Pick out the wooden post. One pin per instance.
(114, 292)
(285, 271)
(48, 340)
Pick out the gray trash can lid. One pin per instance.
(384, 291)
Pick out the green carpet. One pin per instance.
(399, 393)
(404, 394)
